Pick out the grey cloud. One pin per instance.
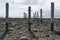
(57, 12)
(34, 2)
(30, 2)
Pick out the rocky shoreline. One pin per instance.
(18, 29)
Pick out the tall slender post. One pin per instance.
(6, 31)
(7, 11)
(33, 15)
(29, 16)
(37, 15)
(52, 16)
(25, 15)
(41, 15)
(29, 11)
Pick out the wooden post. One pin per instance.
(29, 11)
(25, 15)
(6, 31)
(37, 15)
(33, 15)
(29, 16)
(52, 16)
(41, 15)
(7, 11)
(29, 24)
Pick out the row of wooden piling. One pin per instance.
(52, 16)
(29, 16)
(35, 15)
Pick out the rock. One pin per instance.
(35, 30)
(47, 35)
(24, 38)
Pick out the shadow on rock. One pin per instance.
(57, 32)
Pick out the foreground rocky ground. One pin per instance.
(18, 29)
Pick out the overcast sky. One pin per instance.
(18, 7)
